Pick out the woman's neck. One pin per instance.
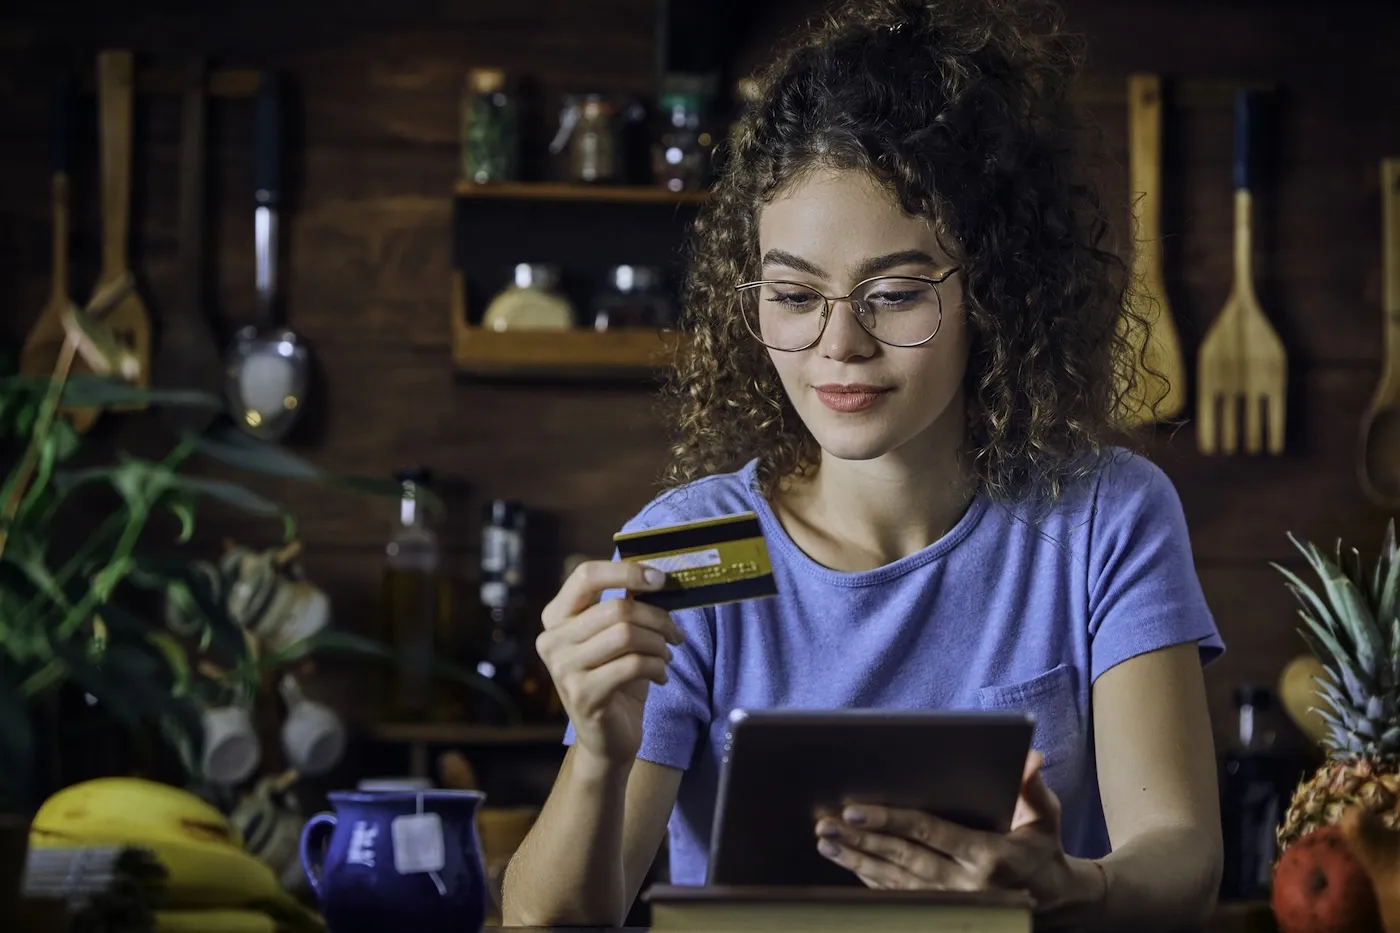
(860, 515)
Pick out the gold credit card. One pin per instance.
(708, 562)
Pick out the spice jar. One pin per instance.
(588, 129)
(531, 302)
(490, 128)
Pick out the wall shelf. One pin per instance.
(567, 354)
(563, 191)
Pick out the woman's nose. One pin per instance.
(844, 337)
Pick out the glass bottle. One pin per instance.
(505, 652)
(1256, 785)
(679, 160)
(490, 129)
(414, 601)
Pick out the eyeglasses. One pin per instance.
(897, 310)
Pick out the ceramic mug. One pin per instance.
(231, 750)
(313, 736)
(408, 860)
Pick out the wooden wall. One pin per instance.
(374, 157)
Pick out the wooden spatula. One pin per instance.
(129, 320)
(1242, 362)
(187, 355)
(45, 339)
(1379, 463)
(1161, 392)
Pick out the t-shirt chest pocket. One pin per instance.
(1051, 697)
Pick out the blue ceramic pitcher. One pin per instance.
(397, 860)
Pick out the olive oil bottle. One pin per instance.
(416, 606)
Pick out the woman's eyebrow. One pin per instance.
(867, 267)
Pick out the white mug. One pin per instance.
(313, 736)
(297, 611)
(231, 750)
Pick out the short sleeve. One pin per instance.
(1144, 593)
(677, 712)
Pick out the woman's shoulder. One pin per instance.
(708, 497)
(1120, 488)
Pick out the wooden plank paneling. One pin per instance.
(369, 252)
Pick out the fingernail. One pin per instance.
(654, 577)
(669, 655)
(828, 829)
(853, 815)
(828, 848)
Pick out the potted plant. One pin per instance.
(85, 612)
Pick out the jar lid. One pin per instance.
(540, 275)
(628, 278)
(486, 80)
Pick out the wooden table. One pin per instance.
(1251, 917)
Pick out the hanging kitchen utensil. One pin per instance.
(187, 355)
(1379, 463)
(1241, 359)
(1162, 395)
(45, 338)
(129, 321)
(268, 364)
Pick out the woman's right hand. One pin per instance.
(603, 656)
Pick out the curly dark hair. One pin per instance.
(961, 109)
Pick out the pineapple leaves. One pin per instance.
(1351, 611)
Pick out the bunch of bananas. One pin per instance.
(213, 886)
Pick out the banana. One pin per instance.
(213, 921)
(121, 809)
(204, 875)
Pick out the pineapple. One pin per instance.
(1352, 626)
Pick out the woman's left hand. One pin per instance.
(889, 848)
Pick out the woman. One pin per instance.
(905, 342)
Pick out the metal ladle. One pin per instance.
(267, 366)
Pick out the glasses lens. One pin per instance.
(900, 311)
(783, 315)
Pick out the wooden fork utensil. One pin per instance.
(1242, 370)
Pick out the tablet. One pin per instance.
(784, 766)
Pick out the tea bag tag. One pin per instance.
(418, 844)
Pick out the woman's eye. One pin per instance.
(893, 299)
(793, 299)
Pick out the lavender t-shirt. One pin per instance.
(1014, 608)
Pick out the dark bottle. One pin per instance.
(1256, 784)
(505, 652)
(414, 603)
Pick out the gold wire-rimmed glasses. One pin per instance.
(897, 310)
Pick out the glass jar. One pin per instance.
(531, 302)
(588, 129)
(633, 298)
(490, 129)
(679, 159)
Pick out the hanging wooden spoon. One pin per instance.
(129, 320)
(45, 338)
(187, 355)
(1160, 370)
(1379, 462)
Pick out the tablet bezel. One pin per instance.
(782, 766)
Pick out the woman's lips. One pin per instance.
(853, 397)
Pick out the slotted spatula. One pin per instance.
(1242, 372)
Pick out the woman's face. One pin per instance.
(860, 398)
